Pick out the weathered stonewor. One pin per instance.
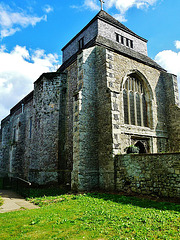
(85, 138)
(151, 174)
(107, 97)
(44, 164)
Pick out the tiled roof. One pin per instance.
(104, 16)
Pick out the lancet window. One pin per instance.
(135, 104)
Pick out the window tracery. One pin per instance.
(135, 104)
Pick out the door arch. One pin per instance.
(141, 147)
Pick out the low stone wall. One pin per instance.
(152, 174)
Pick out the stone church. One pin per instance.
(107, 95)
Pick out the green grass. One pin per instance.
(1, 201)
(93, 216)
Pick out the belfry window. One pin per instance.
(117, 37)
(124, 41)
(135, 104)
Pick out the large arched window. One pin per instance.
(135, 104)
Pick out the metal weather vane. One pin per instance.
(102, 2)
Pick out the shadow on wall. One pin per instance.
(168, 113)
(162, 118)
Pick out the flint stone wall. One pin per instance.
(85, 148)
(152, 174)
(44, 164)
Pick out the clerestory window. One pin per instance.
(135, 104)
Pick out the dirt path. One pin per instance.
(14, 202)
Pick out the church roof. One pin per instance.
(104, 16)
(113, 46)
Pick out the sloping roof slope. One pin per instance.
(104, 16)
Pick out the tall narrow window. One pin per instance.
(138, 109)
(132, 109)
(122, 40)
(117, 37)
(144, 111)
(14, 134)
(135, 105)
(30, 128)
(131, 43)
(81, 43)
(127, 42)
(125, 106)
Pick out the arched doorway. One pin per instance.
(141, 147)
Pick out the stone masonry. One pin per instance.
(77, 125)
(152, 174)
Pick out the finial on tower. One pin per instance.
(101, 4)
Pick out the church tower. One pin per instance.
(108, 98)
(117, 97)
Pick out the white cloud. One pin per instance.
(121, 5)
(124, 5)
(8, 32)
(91, 4)
(88, 4)
(177, 44)
(48, 9)
(11, 21)
(19, 69)
(170, 60)
(120, 17)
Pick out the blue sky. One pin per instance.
(32, 33)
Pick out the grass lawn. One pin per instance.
(93, 216)
(1, 201)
